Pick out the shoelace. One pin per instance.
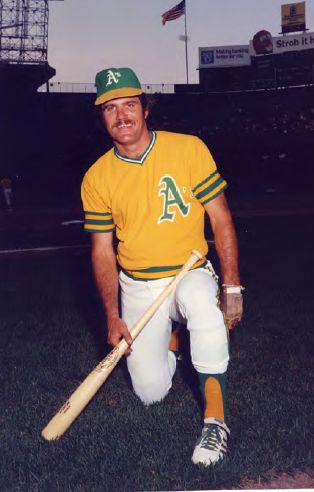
(212, 438)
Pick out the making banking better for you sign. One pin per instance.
(224, 56)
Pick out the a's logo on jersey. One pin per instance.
(112, 77)
(173, 200)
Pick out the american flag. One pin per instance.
(174, 13)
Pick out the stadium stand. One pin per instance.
(262, 139)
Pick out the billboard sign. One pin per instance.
(224, 56)
(293, 17)
(280, 44)
(263, 43)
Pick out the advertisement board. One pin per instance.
(224, 56)
(280, 44)
(293, 17)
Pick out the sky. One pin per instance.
(86, 36)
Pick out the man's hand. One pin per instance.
(231, 305)
(117, 329)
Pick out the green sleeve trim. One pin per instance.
(98, 222)
(215, 195)
(99, 230)
(205, 181)
(210, 188)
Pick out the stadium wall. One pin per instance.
(258, 138)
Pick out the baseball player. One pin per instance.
(152, 190)
(6, 185)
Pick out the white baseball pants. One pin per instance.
(194, 302)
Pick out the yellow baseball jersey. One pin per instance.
(154, 204)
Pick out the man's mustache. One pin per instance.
(122, 122)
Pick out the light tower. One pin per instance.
(24, 31)
(24, 41)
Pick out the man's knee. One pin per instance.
(151, 390)
(152, 382)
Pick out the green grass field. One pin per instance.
(53, 335)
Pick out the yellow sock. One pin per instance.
(214, 404)
(174, 341)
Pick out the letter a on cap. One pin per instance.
(113, 77)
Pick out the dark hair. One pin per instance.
(144, 101)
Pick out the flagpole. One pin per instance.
(186, 46)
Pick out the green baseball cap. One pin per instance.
(116, 82)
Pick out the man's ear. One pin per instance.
(146, 113)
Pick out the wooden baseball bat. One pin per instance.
(89, 387)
